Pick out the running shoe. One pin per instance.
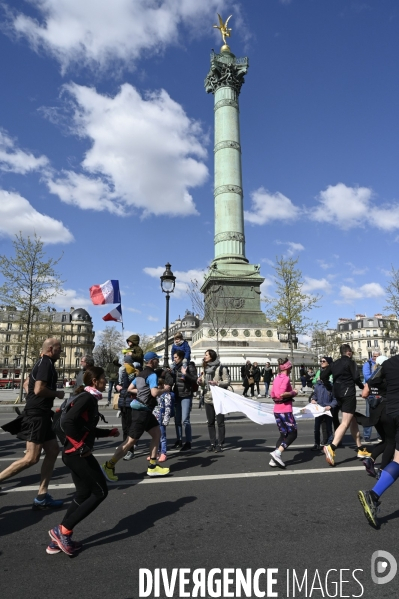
(370, 507)
(177, 444)
(64, 542)
(277, 459)
(315, 447)
(210, 449)
(157, 471)
(47, 503)
(218, 448)
(109, 473)
(53, 548)
(369, 465)
(363, 453)
(186, 446)
(330, 454)
(272, 463)
(129, 456)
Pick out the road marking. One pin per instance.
(186, 479)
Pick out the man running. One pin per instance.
(145, 388)
(370, 500)
(36, 426)
(345, 377)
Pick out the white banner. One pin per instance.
(226, 402)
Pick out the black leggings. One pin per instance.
(386, 429)
(91, 488)
(126, 414)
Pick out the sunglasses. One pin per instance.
(323, 361)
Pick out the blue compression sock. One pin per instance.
(387, 478)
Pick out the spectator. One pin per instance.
(112, 374)
(322, 395)
(368, 370)
(163, 412)
(302, 376)
(214, 374)
(180, 344)
(256, 376)
(185, 377)
(247, 378)
(86, 362)
(134, 349)
(267, 374)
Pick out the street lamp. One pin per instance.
(168, 286)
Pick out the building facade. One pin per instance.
(74, 328)
(369, 334)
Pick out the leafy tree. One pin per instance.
(31, 282)
(146, 342)
(289, 308)
(109, 346)
(325, 341)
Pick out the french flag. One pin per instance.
(115, 314)
(107, 293)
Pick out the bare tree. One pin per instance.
(325, 341)
(31, 282)
(392, 291)
(288, 310)
(109, 346)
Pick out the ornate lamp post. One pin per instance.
(168, 286)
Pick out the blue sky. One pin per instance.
(106, 143)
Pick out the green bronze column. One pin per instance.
(224, 80)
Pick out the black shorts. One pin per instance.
(37, 429)
(347, 404)
(142, 422)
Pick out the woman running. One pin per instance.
(282, 394)
(80, 427)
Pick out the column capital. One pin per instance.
(226, 71)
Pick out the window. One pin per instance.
(61, 361)
(63, 318)
(7, 349)
(368, 333)
(77, 362)
(19, 350)
(375, 333)
(10, 316)
(370, 355)
(5, 361)
(375, 342)
(368, 343)
(62, 338)
(21, 327)
(9, 326)
(371, 322)
(8, 337)
(359, 343)
(79, 328)
(63, 327)
(19, 338)
(341, 327)
(350, 327)
(359, 324)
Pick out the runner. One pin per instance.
(36, 424)
(282, 394)
(145, 387)
(345, 379)
(80, 427)
(370, 500)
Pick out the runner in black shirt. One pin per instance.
(370, 499)
(36, 427)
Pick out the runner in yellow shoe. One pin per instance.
(145, 388)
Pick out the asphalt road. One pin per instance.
(228, 510)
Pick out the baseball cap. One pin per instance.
(150, 355)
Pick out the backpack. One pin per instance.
(59, 416)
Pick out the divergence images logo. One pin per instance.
(380, 562)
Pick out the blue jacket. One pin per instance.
(183, 347)
(323, 396)
(368, 369)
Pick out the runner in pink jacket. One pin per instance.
(283, 395)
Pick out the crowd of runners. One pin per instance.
(150, 396)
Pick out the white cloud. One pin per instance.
(145, 154)
(183, 278)
(152, 318)
(386, 217)
(369, 290)
(343, 206)
(268, 261)
(17, 214)
(98, 32)
(268, 207)
(133, 310)
(15, 160)
(355, 270)
(311, 285)
(264, 288)
(324, 265)
(71, 298)
(293, 247)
